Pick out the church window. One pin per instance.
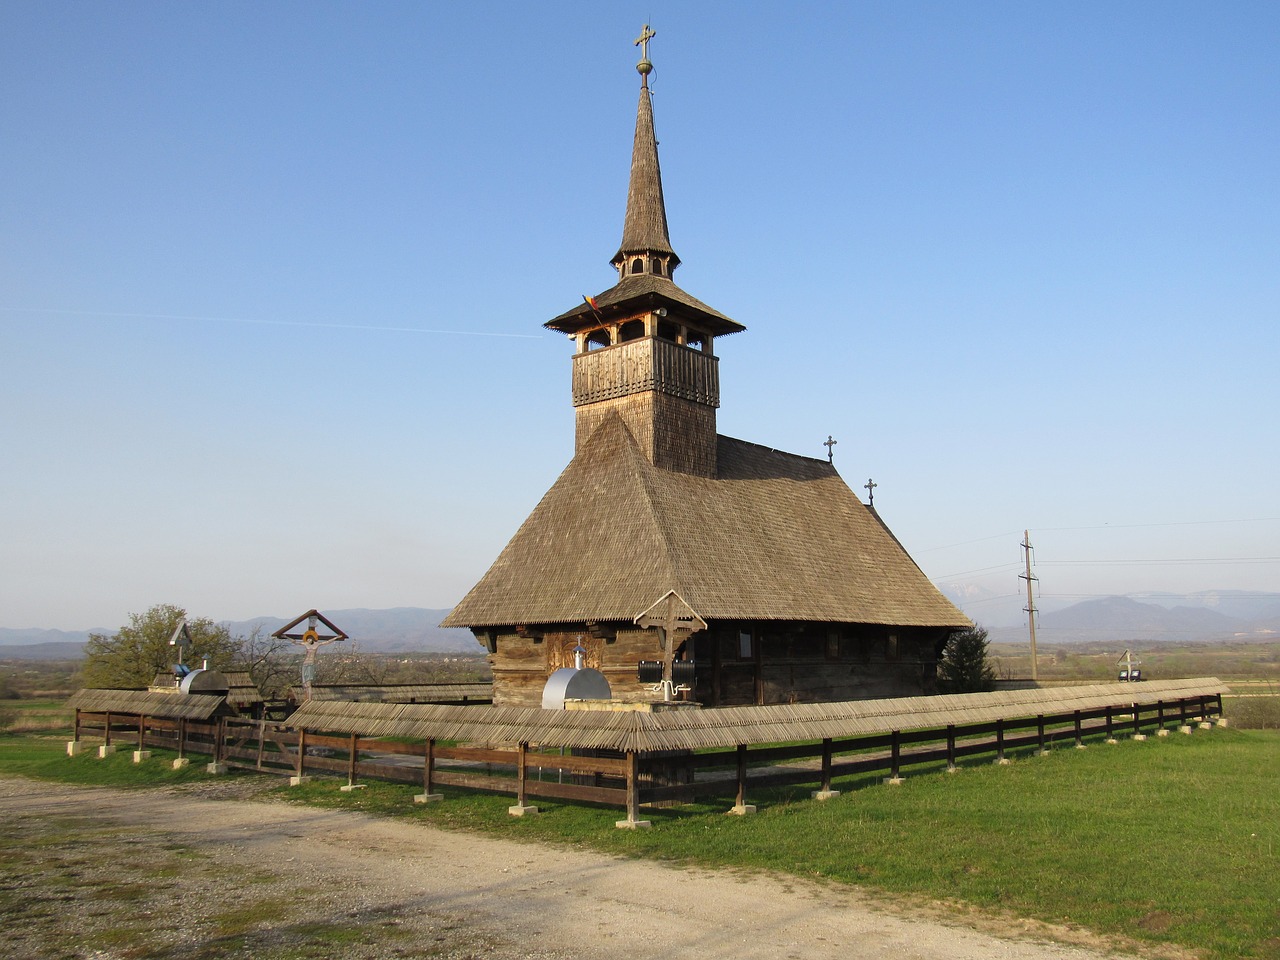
(637, 265)
(746, 648)
(657, 268)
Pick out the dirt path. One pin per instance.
(89, 872)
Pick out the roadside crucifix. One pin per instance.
(310, 640)
(182, 640)
(672, 617)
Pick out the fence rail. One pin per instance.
(628, 780)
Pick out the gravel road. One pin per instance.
(91, 872)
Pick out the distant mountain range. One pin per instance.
(1208, 616)
(399, 630)
(1143, 618)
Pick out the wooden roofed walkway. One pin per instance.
(635, 759)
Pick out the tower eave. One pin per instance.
(640, 293)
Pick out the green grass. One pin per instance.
(1168, 841)
(44, 757)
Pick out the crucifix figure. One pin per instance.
(672, 616)
(642, 41)
(829, 443)
(870, 487)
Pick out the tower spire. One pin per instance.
(644, 229)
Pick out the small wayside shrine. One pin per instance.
(789, 588)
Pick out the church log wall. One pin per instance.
(785, 663)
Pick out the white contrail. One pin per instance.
(272, 323)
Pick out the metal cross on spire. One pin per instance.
(644, 67)
(642, 41)
(829, 443)
(870, 487)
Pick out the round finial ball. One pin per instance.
(644, 67)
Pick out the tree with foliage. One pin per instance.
(270, 661)
(131, 658)
(963, 667)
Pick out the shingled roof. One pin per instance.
(773, 536)
(643, 291)
(644, 230)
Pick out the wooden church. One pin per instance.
(779, 584)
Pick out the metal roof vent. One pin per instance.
(205, 681)
(574, 683)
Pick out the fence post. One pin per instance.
(74, 746)
(141, 753)
(521, 809)
(951, 748)
(299, 777)
(1000, 757)
(825, 792)
(633, 821)
(353, 751)
(895, 757)
(741, 807)
(181, 760)
(1079, 731)
(428, 772)
(219, 735)
(1111, 736)
(106, 749)
(1137, 722)
(1040, 734)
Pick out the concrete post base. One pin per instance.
(140, 755)
(1139, 737)
(1206, 725)
(895, 781)
(742, 809)
(427, 797)
(633, 824)
(75, 748)
(952, 768)
(1185, 728)
(352, 787)
(519, 811)
(1043, 753)
(1162, 732)
(105, 751)
(1222, 721)
(1003, 762)
(215, 768)
(1082, 746)
(824, 794)
(1112, 740)
(298, 781)
(181, 762)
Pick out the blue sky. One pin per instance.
(272, 280)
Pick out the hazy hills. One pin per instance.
(1134, 620)
(1209, 616)
(398, 630)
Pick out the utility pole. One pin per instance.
(1031, 602)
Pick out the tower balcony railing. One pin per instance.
(646, 364)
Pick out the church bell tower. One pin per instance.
(644, 347)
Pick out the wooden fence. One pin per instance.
(630, 780)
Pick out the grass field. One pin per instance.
(1168, 841)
